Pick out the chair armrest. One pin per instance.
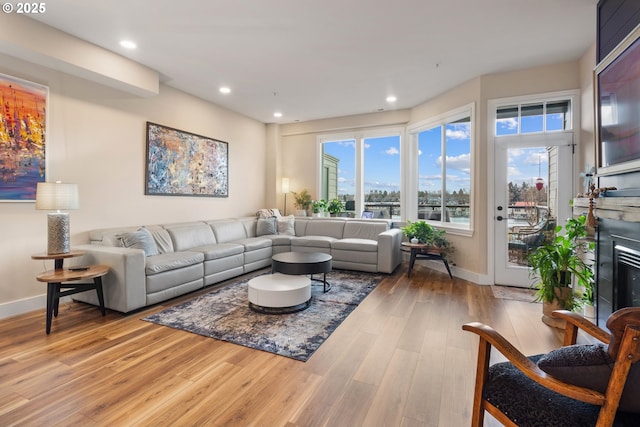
(490, 337)
(575, 322)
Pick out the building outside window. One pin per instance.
(363, 171)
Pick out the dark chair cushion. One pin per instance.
(591, 366)
(528, 404)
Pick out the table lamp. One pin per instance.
(57, 196)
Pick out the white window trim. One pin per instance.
(359, 136)
(411, 203)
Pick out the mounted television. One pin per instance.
(618, 108)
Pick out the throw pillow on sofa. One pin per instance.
(266, 226)
(287, 225)
(140, 239)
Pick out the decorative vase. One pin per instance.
(415, 241)
(301, 212)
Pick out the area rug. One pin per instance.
(224, 314)
(513, 293)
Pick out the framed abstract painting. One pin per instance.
(23, 126)
(181, 163)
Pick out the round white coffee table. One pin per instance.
(279, 293)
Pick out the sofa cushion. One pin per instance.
(266, 226)
(358, 245)
(191, 235)
(286, 225)
(228, 231)
(254, 243)
(219, 250)
(280, 239)
(171, 261)
(325, 228)
(364, 229)
(140, 239)
(313, 241)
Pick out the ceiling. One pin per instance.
(312, 59)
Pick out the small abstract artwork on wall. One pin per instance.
(185, 164)
(23, 122)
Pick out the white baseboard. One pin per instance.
(14, 308)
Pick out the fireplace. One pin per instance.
(618, 267)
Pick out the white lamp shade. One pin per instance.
(56, 196)
(285, 185)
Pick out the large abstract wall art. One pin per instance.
(23, 122)
(185, 164)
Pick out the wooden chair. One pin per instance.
(519, 393)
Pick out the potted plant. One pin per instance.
(318, 207)
(425, 233)
(302, 202)
(334, 207)
(555, 263)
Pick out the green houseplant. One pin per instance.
(302, 200)
(335, 206)
(555, 263)
(318, 207)
(426, 234)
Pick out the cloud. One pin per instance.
(458, 132)
(461, 162)
(510, 123)
(392, 151)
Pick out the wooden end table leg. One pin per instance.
(412, 260)
(98, 283)
(446, 264)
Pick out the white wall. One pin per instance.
(96, 138)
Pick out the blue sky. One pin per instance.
(382, 157)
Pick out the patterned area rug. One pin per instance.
(224, 314)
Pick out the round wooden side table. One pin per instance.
(60, 283)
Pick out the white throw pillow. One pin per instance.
(286, 225)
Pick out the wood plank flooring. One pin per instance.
(400, 359)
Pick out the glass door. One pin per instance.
(532, 192)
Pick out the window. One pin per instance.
(536, 117)
(443, 156)
(363, 171)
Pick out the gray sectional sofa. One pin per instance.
(155, 263)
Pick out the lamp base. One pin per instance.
(58, 233)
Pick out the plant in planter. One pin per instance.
(302, 201)
(555, 263)
(427, 234)
(335, 206)
(318, 207)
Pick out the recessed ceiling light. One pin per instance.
(225, 90)
(128, 44)
(277, 114)
(391, 98)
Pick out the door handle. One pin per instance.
(499, 218)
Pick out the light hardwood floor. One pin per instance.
(400, 359)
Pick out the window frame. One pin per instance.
(412, 175)
(360, 136)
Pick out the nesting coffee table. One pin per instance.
(302, 263)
